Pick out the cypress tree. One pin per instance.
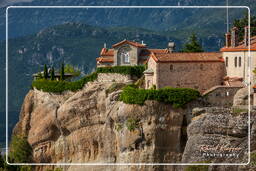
(193, 45)
(45, 72)
(62, 72)
(52, 74)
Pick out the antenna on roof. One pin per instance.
(227, 17)
(105, 45)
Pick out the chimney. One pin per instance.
(171, 46)
(228, 39)
(105, 45)
(234, 37)
(246, 36)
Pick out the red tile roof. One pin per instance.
(233, 81)
(107, 52)
(241, 46)
(147, 52)
(105, 59)
(188, 57)
(136, 44)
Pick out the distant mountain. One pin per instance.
(27, 21)
(75, 43)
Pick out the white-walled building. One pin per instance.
(236, 55)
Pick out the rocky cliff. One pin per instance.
(91, 126)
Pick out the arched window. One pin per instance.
(126, 57)
(240, 61)
(235, 61)
(171, 67)
(226, 61)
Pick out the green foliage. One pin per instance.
(21, 151)
(238, 111)
(243, 22)
(60, 86)
(115, 87)
(70, 69)
(56, 169)
(52, 74)
(140, 82)
(45, 72)
(1, 161)
(132, 124)
(178, 97)
(127, 70)
(62, 72)
(193, 45)
(118, 126)
(253, 158)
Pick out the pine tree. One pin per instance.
(45, 72)
(62, 72)
(243, 22)
(52, 74)
(193, 45)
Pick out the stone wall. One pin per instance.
(220, 96)
(197, 75)
(113, 77)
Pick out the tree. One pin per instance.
(20, 150)
(70, 69)
(45, 72)
(193, 45)
(243, 22)
(52, 74)
(62, 72)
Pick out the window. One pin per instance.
(126, 57)
(171, 67)
(240, 61)
(226, 61)
(235, 61)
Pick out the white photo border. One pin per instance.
(126, 7)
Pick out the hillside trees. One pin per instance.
(242, 23)
(193, 45)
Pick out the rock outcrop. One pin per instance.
(92, 126)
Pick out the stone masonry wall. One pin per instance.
(220, 96)
(113, 77)
(198, 75)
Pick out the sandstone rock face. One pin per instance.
(241, 97)
(220, 135)
(90, 126)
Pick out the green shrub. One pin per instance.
(118, 126)
(60, 86)
(127, 70)
(178, 97)
(238, 111)
(115, 87)
(20, 150)
(132, 124)
(253, 159)
(56, 169)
